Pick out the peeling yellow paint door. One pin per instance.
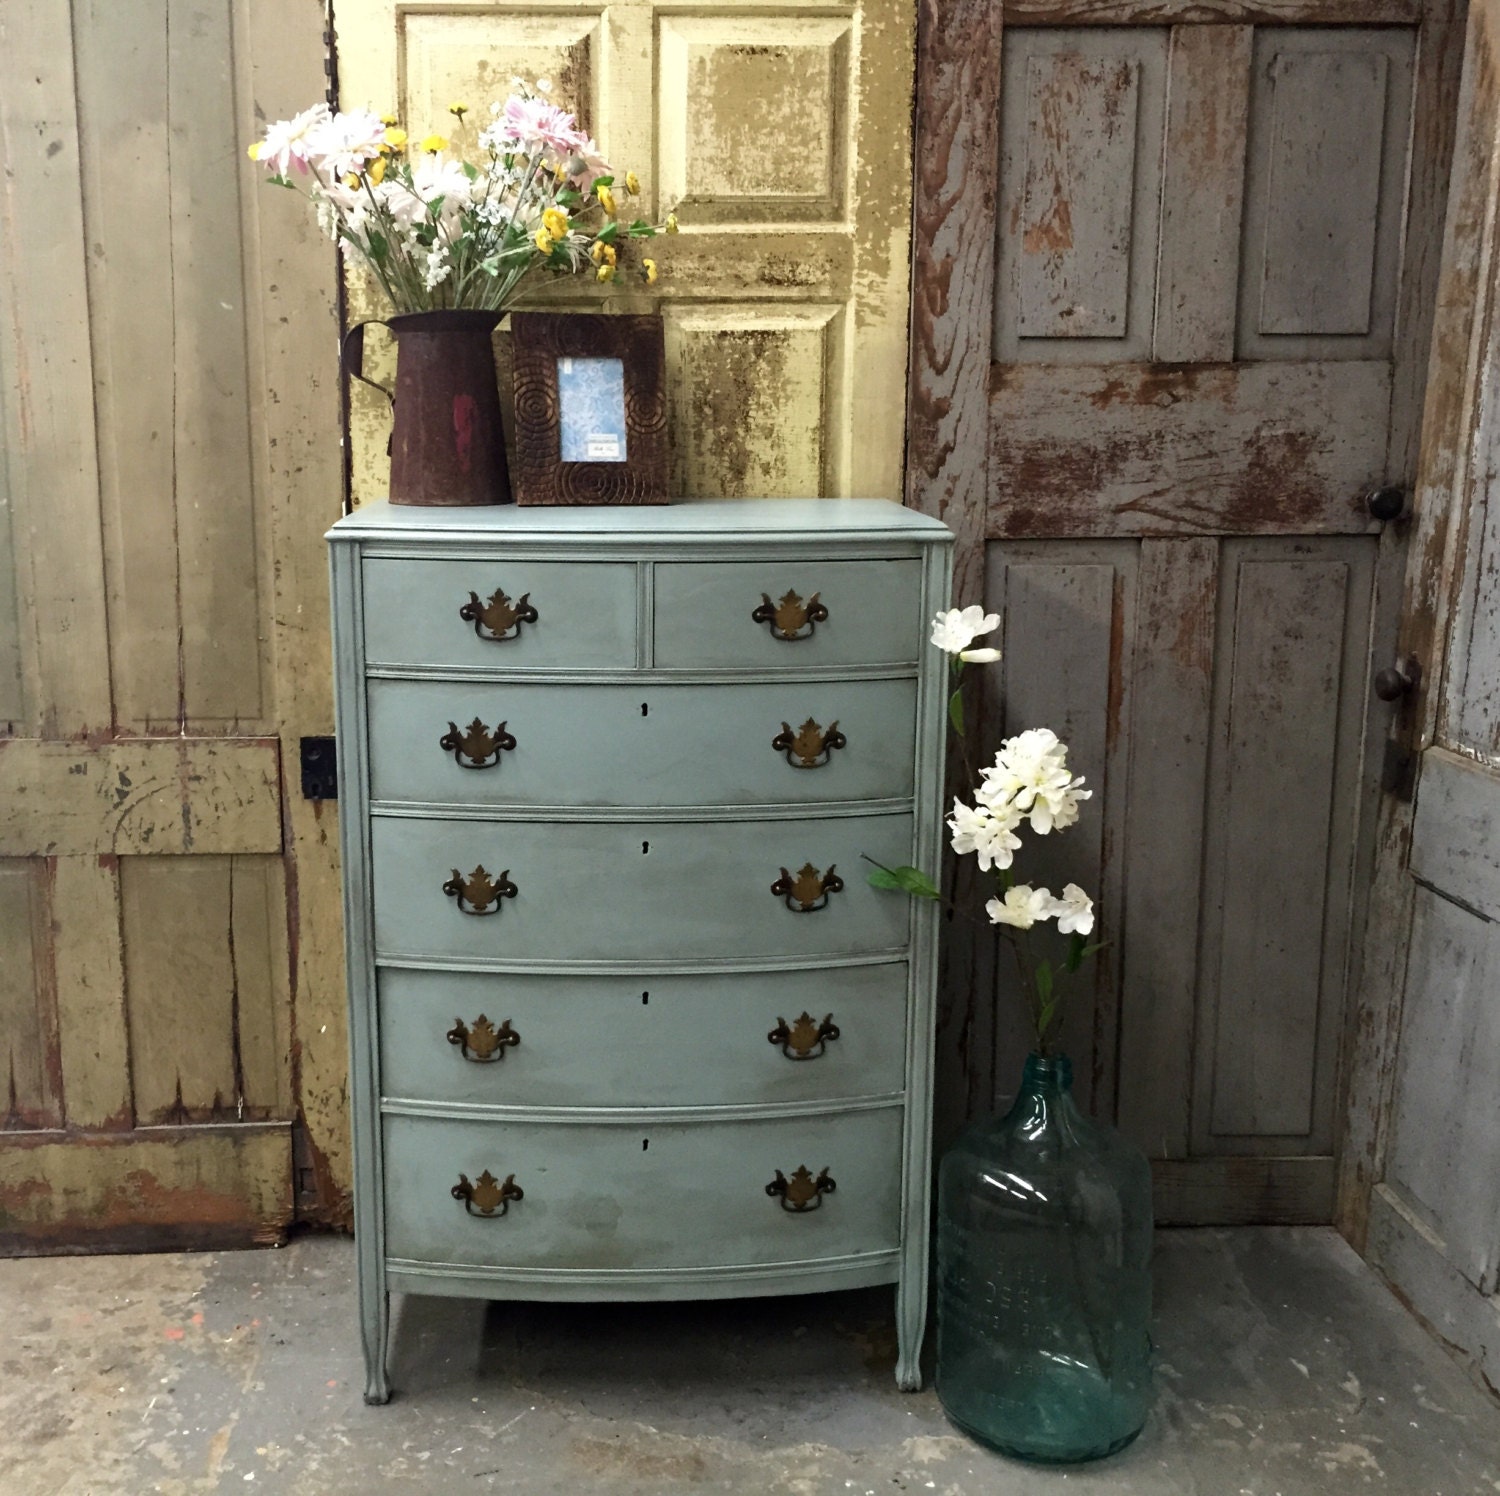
(167, 467)
(780, 131)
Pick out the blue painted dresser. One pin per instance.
(627, 1021)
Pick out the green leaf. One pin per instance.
(609, 233)
(956, 711)
(569, 197)
(378, 247)
(1075, 952)
(1044, 982)
(471, 172)
(640, 229)
(603, 182)
(910, 880)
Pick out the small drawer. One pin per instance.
(526, 1040)
(615, 1195)
(483, 743)
(478, 614)
(636, 890)
(810, 613)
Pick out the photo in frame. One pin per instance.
(590, 408)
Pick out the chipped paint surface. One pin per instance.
(241, 1372)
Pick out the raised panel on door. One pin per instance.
(1080, 188)
(659, 891)
(1062, 608)
(681, 1040)
(1330, 118)
(1279, 842)
(641, 745)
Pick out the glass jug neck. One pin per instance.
(1047, 1075)
(1044, 1099)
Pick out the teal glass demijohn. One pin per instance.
(1044, 1278)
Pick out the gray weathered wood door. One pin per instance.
(1425, 1124)
(1174, 270)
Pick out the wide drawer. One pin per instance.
(703, 614)
(636, 890)
(614, 1195)
(528, 1040)
(585, 614)
(444, 741)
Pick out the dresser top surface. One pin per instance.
(693, 519)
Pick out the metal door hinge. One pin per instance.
(320, 769)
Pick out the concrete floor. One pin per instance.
(1285, 1369)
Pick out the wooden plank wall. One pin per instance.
(165, 384)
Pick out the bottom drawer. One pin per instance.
(615, 1195)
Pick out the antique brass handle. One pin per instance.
(804, 1038)
(479, 893)
(476, 746)
(807, 890)
(487, 1197)
(810, 746)
(481, 1041)
(792, 618)
(499, 620)
(801, 1192)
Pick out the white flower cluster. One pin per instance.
(1029, 781)
(955, 630)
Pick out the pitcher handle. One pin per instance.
(354, 342)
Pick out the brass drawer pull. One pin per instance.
(476, 746)
(487, 1197)
(499, 620)
(804, 1038)
(801, 1192)
(479, 893)
(810, 746)
(481, 1041)
(791, 619)
(808, 890)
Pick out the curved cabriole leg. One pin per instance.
(375, 1320)
(911, 1323)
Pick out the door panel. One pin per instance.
(1204, 356)
(156, 636)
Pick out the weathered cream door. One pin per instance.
(781, 130)
(1425, 1123)
(1172, 305)
(169, 464)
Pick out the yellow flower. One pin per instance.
(606, 200)
(432, 144)
(376, 170)
(253, 151)
(388, 119)
(632, 184)
(543, 241)
(606, 273)
(560, 173)
(671, 223)
(351, 181)
(603, 254)
(458, 110)
(395, 140)
(555, 221)
(648, 272)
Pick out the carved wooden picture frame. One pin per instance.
(552, 352)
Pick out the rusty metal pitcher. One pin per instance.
(447, 446)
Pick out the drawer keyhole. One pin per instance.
(645, 709)
(645, 998)
(645, 1144)
(645, 848)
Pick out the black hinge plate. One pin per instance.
(320, 769)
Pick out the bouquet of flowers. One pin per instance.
(439, 230)
(1028, 784)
